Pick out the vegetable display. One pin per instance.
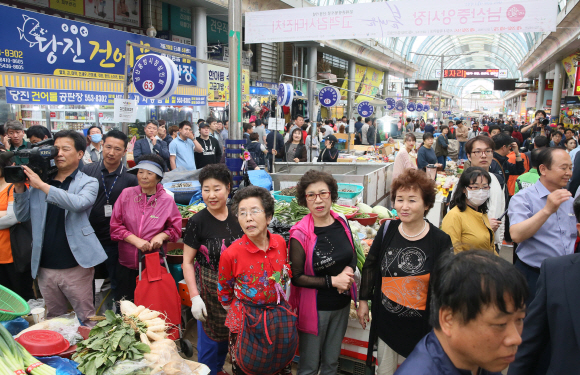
(290, 192)
(292, 212)
(188, 211)
(175, 252)
(14, 359)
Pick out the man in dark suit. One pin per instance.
(151, 143)
(552, 319)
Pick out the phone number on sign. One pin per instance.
(8, 66)
(95, 98)
(11, 53)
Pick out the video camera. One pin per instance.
(39, 157)
(545, 122)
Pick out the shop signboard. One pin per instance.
(370, 86)
(219, 84)
(401, 18)
(365, 109)
(419, 107)
(127, 12)
(472, 73)
(42, 44)
(217, 31)
(390, 104)
(102, 10)
(125, 110)
(40, 3)
(180, 21)
(548, 85)
(577, 82)
(18, 95)
(411, 107)
(269, 85)
(328, 96)
(69, 6)
(400, 105)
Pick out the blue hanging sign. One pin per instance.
(419, 107)
(42, 44)
(411, 107)
(436, 109)
(426, 108)
(19, 95)
(328, 96)
(365, 109)
(285, 94)
(400, 105)
(390, 104)
(153, 76)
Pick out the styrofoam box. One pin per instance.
(350, 202)
(355, 332)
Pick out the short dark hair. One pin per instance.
(38, 131)
(211, 119)
(322, 130)
(427, 136)
(311, 177)
(416, 179)
(480, 138)
(467, 178)
(154, 122)
(116, 134)
(154, 158)
(569, 130)
(471, 280)
(94, 127)
(216, 171)
(162, 122)
(557, 133)
(457, 122)
(258, 122)
(410, 136)
(326, 122)
(408, 119)
(184, 123)
(443, 127)
(200, 120)
(571, 139)
(255, 192)
(501, 140)
(367, 119)
(541, 141)
(247, 126)
(534, 158)
(359, 118)
(494, 127)
(509, 129)
(546, 158)
(79, 140)
(172, 129)
(296, 118)
(254, 137)
(540, 111)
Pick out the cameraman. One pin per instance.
(500, 165)
(536, 127)
(37, 133)
(64, 245)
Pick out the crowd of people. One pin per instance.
(441, 299)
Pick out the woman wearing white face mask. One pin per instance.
(467, 223)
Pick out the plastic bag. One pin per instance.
(67, 325)
(34, 303)
(128, 368)
(261, 178)
(14, 326)
(63, 366)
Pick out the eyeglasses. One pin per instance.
(312, 197)
(479, 153)
(252, 213)
(485, 187)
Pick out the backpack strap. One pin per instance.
(502, 171)
(385, 228)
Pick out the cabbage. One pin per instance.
(364, 208)
(383, 212)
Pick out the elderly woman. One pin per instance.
(467, 222)
(253, 273)
(207, 235)
(330, 153)
(403, 159)
(396, 273)
(144, 218)
(323, 265)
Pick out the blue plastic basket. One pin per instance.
(285, 198)
(357, 190)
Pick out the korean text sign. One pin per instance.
(400, 19)
(38, 43)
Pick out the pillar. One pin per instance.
(557, 94)
(199, 40)
(351, 113)
(385, 90)
(541, 89)
(312, 70)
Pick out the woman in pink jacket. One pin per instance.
(144, 218)
(323, 264)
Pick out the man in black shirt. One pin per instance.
(274, 136)
(113, 178)
(212, 152)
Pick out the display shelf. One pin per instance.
(33, 119)
(59, 120)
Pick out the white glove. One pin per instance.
(198, 308)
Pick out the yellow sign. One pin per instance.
(219, 84)
(71, 6)
(245, 85)
(370, 86)
(358, 76)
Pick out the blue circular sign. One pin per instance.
(285, 94)
(411, 107)
(436, 109)
(419, 107)
(174, 74)
(400, 105)
(281, 93)
(328, 96)
(152, 76)
(365, 109)
(390, 104)
(426, 108)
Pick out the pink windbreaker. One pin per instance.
(304, 299)
(133, 215)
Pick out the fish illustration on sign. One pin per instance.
(31, 30)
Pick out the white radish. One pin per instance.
(127, 307)
(144, 339)
(153, 358)
(148, 315)
(157, 328)
(161, 344)
(155, 336)
(138, 310)
(154, 322)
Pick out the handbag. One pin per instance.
(21, 242)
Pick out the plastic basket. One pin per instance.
(182, 195)
(285, 198)
(357, 190)
(11, 305)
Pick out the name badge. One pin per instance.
(108, 210)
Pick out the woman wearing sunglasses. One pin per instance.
(323, 264)
(467, 223)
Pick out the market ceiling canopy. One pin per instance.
(401, 18)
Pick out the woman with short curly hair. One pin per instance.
(323, 265)
(395, 276)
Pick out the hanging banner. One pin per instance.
(219, 84)
(328, 96)
(577, 82)
(400, 105)
(38, 43)
(390, 104)
(419, 107)
(19, 95)
(411, 107)
(400, 18)
(370, 86)
(359, 73)
(365, 109)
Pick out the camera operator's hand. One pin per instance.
(515, 148)
(35, 181)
